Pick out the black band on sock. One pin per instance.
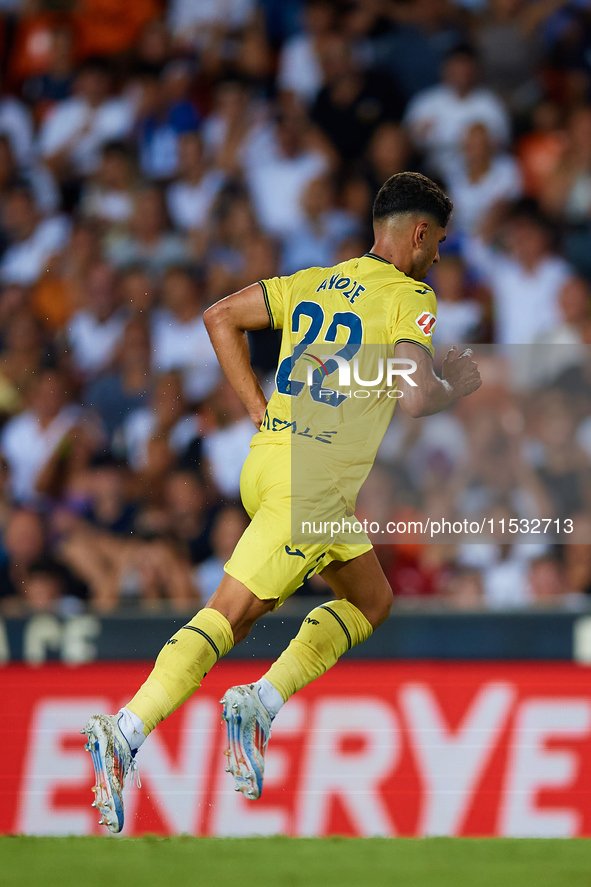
(340, 621)
(208, 639)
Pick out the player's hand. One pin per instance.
(461, 371)
(257, 415)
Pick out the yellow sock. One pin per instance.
(181, 665)
(326, 633)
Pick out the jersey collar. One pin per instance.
(377, 258)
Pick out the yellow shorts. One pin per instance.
(264, 559)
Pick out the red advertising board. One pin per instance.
(372, 748)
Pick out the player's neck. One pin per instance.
(385, 249)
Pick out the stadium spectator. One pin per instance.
(21, 359)
(54, 82)
(108, 27)
(137, 292)
(464, 591)
(411, 43)
(562, 465)
(548, 585)
(59, 292)
(438, 117)
(155, 435)
(75, 130)
(228, 526)
(153, 48)
(323, 229)
(166, 577)
(16, 124)
(504, 569)
(32, 240)
(291, 164)
(188, 513)
(567, 192)
(191, 196)
(35, 176)
(497, 473)
(539, 150)
(95, 330)
(235, 120)
(118, 566)
(460, 313)
(108, 506)
(567, 338)
(300, 69)
(417, 571)
(149, 243)
(167, 114)
(227, 445)
(254, 60)
(387, 153)
(109, 196)
(478, 180)
(179, 338)
(577, 555)
(198, 22)
(353, 102)
(32, 580)
(126, 387)
(510, 44)
(525, 276)
(45, 590)
(23, 543)
(30, 439)
(237, 251)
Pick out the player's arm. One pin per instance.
(227, 323)
(460, 377)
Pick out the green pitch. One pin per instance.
(293, 862)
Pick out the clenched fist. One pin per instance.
(461, 371)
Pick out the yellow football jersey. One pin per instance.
(335, 383)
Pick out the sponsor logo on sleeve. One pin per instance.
(426, 322)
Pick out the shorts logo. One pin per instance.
(311, 621)
(426, 322)
(296, 551)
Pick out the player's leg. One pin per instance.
(362, 582)
(178, 671)
(187, 657)
(364, 602)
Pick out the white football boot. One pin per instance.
(249, 726)
(112, 760)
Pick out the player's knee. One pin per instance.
(241, 626)
(382, 607)
(240, 632)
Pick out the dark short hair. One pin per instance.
(21, 188)
(118, 146)
(96, 65)
(411, 192)
(527, 210)
(462, 50)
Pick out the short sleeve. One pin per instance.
(278, 292)
(274, 292)
(414, 316)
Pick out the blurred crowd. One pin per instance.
(155, 157)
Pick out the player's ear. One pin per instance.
(420, 234)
